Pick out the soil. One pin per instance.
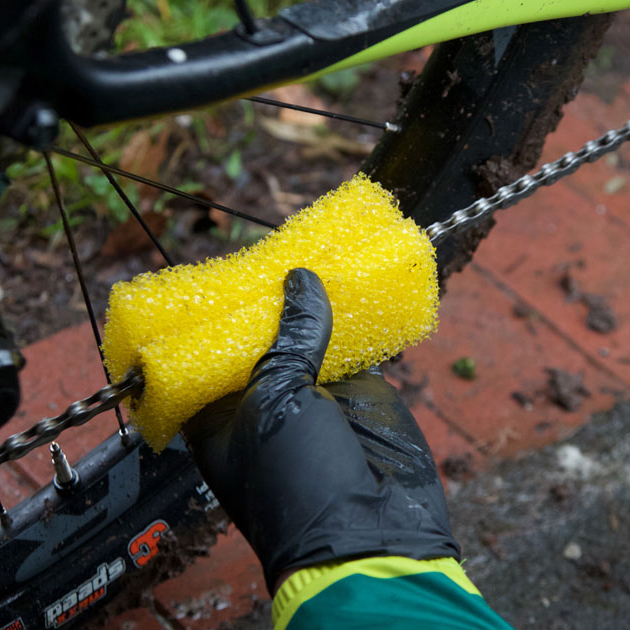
(547, 538)
(565, 389)
(600, 316)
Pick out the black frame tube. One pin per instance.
(287, 47)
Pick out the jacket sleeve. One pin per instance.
(383, 592)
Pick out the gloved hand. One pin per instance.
(310, 473)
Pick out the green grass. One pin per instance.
(82, 188)
(168, 22)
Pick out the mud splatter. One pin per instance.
(565, 389)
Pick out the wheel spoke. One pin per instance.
(245, 16)
(122, 194)
(81, 277)
(161, 186)
(387, 126)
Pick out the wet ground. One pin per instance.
(547, 537)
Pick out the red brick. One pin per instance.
(560, 231)
(60, 369)
(445, 440)
(477, 320)
(220, 588)
(587, 118)
(135, 619)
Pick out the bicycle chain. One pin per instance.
(75, 415)
(81, 411)
(511, 194)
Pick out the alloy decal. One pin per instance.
(16, 624)
(77, 600)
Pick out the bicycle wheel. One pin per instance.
(69, 554)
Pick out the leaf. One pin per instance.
(117, 207)
(57, 227)
(98, 183)
(466, 368)
(164, 9)
(326, 144)
(222, 220)
(301, 95)
(143, 155)
(286, 202)
(340, 84)
(234, 164)
(46, 259)
(129, 237)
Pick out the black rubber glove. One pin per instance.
(11, 361)
(310, 474)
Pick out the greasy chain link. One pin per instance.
(511, 194)
(75, 415)
(80, 412)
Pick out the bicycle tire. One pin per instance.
(496, 159)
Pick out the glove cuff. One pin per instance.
(332, 547)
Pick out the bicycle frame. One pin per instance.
(300, 43)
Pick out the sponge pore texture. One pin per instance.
(196, 331)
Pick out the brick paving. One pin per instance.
(510, 311)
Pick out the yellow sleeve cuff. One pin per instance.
(308, 582)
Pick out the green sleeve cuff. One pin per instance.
(435, 592)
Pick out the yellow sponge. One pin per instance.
(196, 331)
